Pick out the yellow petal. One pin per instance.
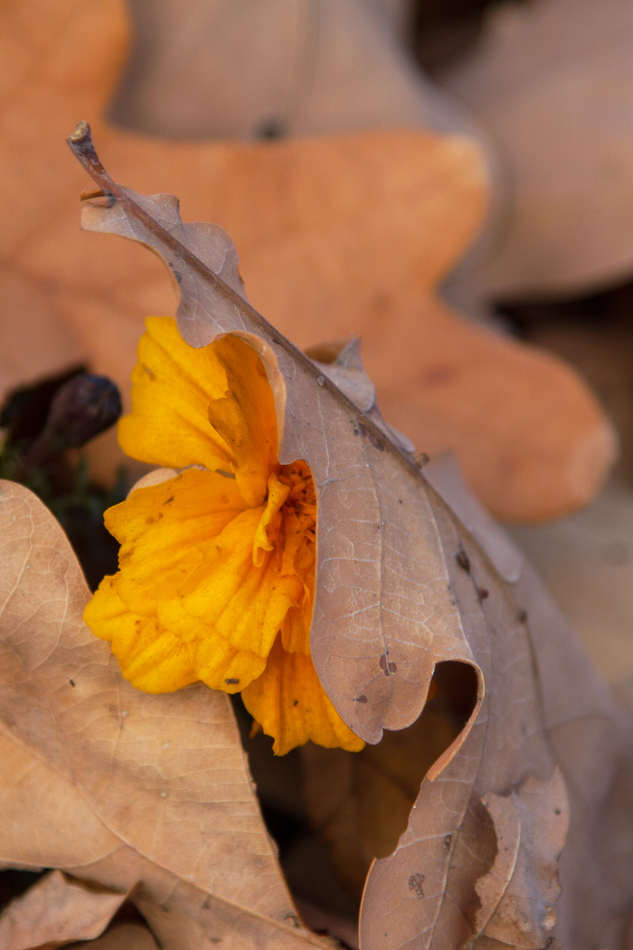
(172, 386)
(295, 630)
(245, 416)
(216, 661)
(245, 603)
(161, 529)
(292, 706)
(151, 658)
(267, 532)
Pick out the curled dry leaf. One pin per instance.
(115, 786)
(401, 587)
(56, 911)
(338, 234)
(519, 892)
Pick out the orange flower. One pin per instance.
(217, 564)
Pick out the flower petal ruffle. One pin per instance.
(151, 658)
(290, 704)
(189, 583)
(245, 602)
(245, 416)
(161, 528)
(172, 386)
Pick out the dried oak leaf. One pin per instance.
(56, 911)
(402, 586)
(337, 234)
(114, 786)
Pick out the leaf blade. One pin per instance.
(94, 757)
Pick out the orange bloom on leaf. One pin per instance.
(216, 579)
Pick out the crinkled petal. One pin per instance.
(151, 658)
(246, 604)
(291, 705)
(162, 529)
(267, 533)
(245, 416)
(216, 661)
(172, 386)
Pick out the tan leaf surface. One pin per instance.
(402, 586)
(115, 786)
(123, 937)
(56, 911)
(337, 234)
(519, 893)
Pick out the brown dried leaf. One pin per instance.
(257, 68)
(337, 234)
(56, 911)
(417, 892)
(519, 892)
(123, 937)
(402, 586)
(114, 786)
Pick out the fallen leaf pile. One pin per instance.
(150, 795)
(367, 223)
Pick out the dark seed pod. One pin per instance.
(82, 408)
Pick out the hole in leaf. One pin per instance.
(360, 802)
(303, 854)
(332, 812)
(15, 882)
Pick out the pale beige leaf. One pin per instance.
(258, 68)
(130, 790)
(552, 82)
(519, 894)
(391, 598)
(55, 911)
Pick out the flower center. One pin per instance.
(302, 497)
